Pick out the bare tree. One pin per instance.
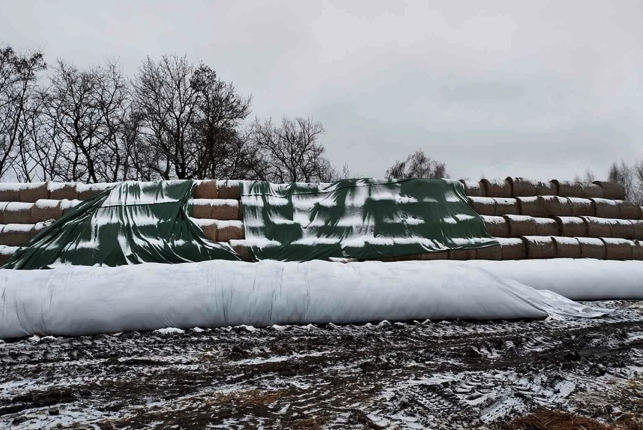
(291, 151)
(417, 165)
(18, 75)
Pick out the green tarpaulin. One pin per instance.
(359, 218)
(135, 222)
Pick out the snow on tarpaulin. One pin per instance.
(359, 218)
(87, 300)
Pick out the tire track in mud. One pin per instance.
(411, 375)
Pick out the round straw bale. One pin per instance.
(87, 191)
(532, 206)
(598, 227)
(230, 230)
(483, 205)
(44, 210)
(568, 188)
(209, 227)
(637, 250)
(592, 191)
(539, 247)
(62, 190)
(17, 213)
(241, 248)
(546, 227)
(521, 187)
(546, 189)
(472, 188)
(571, 226)
(67, 205)
(206, 189)
(38, 227)
(513, 249)
(591, 247)
(638, 229)
(496, 187)
(622, 228)
(556, 206)
(611, 190)
(520, 225)
(606, 208)
(506, 206)
(6, 252)
(618, 249)
(15, 234)
(489, 253)
(10, 192)
(229, 190)
(438, 255)
(462, 254)
(496, 226)
(31, 192)
(628, 210)
(567, 247)
(582, 207)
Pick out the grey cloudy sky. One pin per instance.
(542, 89)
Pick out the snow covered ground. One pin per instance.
(412, 375)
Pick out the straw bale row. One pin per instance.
(521, 187)
(219, 209)
(31, 213)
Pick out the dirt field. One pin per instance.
(414, 375)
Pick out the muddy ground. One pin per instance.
(412, 375)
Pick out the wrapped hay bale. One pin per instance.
(568, 188)
(546, 227)
(6, 252)
(532, 206)
(598, 227)
(31, 192)
(496, 226)
(230, 230)
(606, 208)
(637, 250)
(513, 249)
(438, 255)
(241, 248)
(87, 191)
(628, 210)
(229, 190)
(489, 253)
(592, 248)
(592, 191)
(17, 213)
(10, 192)
(521, 187)
(546, 189)
(506, 206)
(209, 227)
(520, 225)
(496, 188)
(622, 228)
(62, 190)
(567, 247)
(638, 229)
(462, 254)
(472, 188)
(15, 234)
(618, 249)
(44, 210)
(571, 226)
(582, 207)
(67, 205)
(483, 205)
(611, 190)
(539, 247)
(206, 189)
(556, 206)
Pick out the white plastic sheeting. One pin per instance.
(86, 300)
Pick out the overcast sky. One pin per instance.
(542, 89)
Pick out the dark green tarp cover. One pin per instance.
(135, 222)
(359, 218)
